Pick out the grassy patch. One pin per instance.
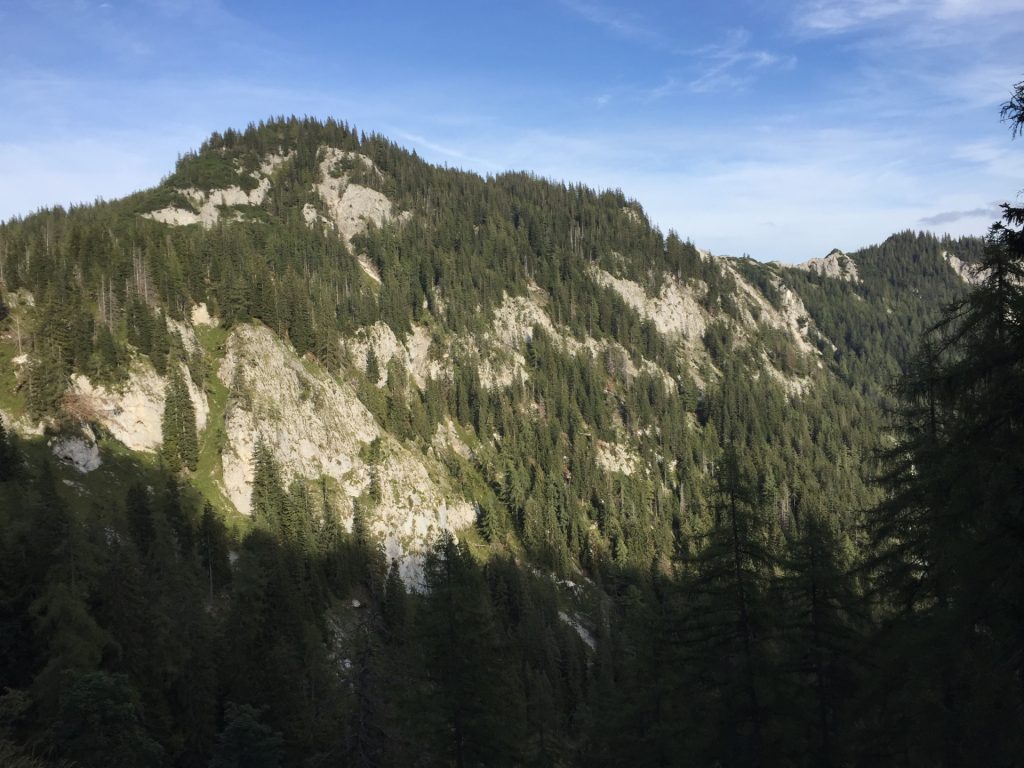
(11, 401)
(209, 470)
(102, 491)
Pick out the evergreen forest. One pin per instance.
(721, 512)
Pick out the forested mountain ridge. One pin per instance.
(346, 353)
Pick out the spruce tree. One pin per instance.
(947, 543)
(268, 496)
(178, 426)
(212, 545)
(8, 455)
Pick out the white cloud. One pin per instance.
(730, 63)
(959, 9)
(613, 19)
(838, 16)
(833, 16)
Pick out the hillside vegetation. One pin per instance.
(317, 454)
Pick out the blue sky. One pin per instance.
(780, 130)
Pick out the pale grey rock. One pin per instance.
(836, 265)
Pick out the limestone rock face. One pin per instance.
(209, 204)
(677, 312)
(413, 353)
(201, 316)
(836, 265)
(614, 457)
(791, 316)
(674, 311)
(964, 270)
(350, 206)
(317, 427)
(314, 425)
(499, 349)
(133, 412)
(82, 453)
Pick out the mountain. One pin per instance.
(310, 380)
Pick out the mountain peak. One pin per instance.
(835, 265)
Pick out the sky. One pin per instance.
(775, 129)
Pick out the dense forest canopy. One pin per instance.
(804, 548)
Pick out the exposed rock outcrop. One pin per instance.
(132, 412)
(317, 427)
(790, 316)
(673, 311)
(81, 452)
(966, 271)
(836, 264)
(350, 206)
(201, 316)
(614, 457)
(207, 205)
(413, 353)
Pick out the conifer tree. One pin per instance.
(268, 497)
(212, 544)
(479, 707)
(948, 541)
(724, 630)
(47, 380)
(820, 633)
(178, 426)
(100, 724)
(246, 741)
(8, 455)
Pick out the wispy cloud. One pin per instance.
(416, 141)
(989, 213)
(732, 62)
(959, 9)
(834, 16)
(615, 20)
(838, 16)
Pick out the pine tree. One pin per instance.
(47, 380)
(268, 496)
(63, 624)
(948, 541)
(180, 446)
(724, 625)
(212, 543)
(100, 725)
(8, 455)
(246, 741)
(396, 610)
(820, 633)
(476, 700)
(372, 366)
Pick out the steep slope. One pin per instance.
(318, 429)
(322, 449)
(529, 360)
